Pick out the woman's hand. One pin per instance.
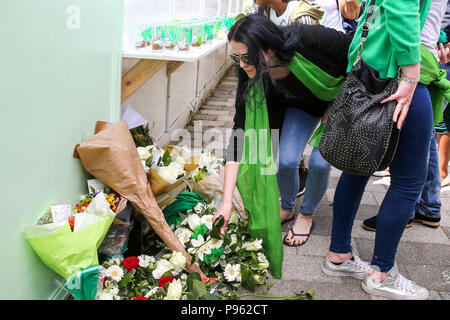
(443, 53)
(225, 211)
(404, 94)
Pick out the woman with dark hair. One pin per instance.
(304, 65)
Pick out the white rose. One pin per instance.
(193, 220)
(170, 173)
(178, 260)
(144, 152)
(145, 261)
(175, 290)
(183, 234)
(162, 266)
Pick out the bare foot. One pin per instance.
(302, 225)
(286, 214)
(339, 257)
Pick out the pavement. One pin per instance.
(423, 254)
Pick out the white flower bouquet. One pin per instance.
(147, 278)
(235, 259)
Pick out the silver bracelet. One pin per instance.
(402, 77)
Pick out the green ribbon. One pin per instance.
(435, 79)
(83, 284)
(213, 256)
(257, 181)
(183, 202)
(199, 230)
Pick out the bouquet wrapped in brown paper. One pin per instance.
(167, 170)
(111, 157)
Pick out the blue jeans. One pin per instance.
(298, 126)
(316, 183)
(429, 203)
(408, 171)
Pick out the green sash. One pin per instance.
(257, 181)
(324, 86)
(435, 79)
(321, 84)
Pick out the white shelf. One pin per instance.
(193, 54)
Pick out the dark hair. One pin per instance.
(260, 33)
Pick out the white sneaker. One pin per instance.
(395, 286)
(355, 268)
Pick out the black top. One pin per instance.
(326, 48)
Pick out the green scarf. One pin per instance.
(257, 181)
(321, 84)
(435, 79)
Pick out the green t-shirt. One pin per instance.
(394, 35)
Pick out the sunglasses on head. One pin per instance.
(238, 58)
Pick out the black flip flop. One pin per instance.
(297, 235)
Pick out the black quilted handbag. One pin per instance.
(360, 136)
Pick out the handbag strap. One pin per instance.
(365, 29)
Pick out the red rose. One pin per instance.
(209, 280)
(164, 280)
(131, 263)
(140, 298)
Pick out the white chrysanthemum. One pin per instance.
(183, 234)
(208, 221)
(114, 272)
(145, 260)
(253, 246)
(105, 296)
(178, 260)
(193, 220)
(215, 243)
(175, 290)
(198, 247)
(162, 266)
(233, 273)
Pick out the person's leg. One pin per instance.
(428, 208)
(444, 156)
(408, 173)
(298, 126)
(316, 187)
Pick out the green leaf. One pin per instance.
(190, 279)
(199, 287)
(215, 232)
(209, 296)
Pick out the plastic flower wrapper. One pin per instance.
(111, 156)
(211, 186)
(74, 253)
